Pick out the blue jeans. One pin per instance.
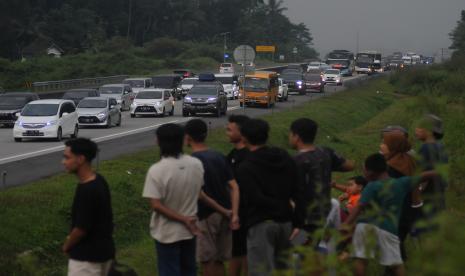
(176, 259)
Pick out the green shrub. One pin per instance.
(164, 47)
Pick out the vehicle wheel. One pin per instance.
(185, 113)
(287, 97)
(163, 112)
(119, 121)
(241, 104)
(59, 134)
(218, 112)
(18, 139)
(76, 132)
(108, 122)
(133, 115)
(302, 93)
(172, 111)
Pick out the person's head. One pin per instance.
(255, 132)
(170, 139)
(395, 128)
(356, 185)
(303, 131)
(233, 129)
(196, 132)
(375, 166)
(79, 153)
(393, 143)
(429, 127)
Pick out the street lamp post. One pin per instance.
(224, 44)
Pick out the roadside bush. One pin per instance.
(164, 47)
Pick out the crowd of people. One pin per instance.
(251, 207)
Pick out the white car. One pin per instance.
(99, 111)
(283, 93)
(186, 85)
(138, 84)
(153, 102)
(121, 92)
(226, 68)
(230, 84)
(47, 119)
(332, 76)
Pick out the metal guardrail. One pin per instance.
(61, 85)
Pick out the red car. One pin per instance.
(314, 82)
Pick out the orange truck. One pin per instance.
(259, 89)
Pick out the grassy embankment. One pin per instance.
(37, 216)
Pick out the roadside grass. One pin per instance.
(36, 217)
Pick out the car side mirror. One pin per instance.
(17, 114)
(64, 114)
(125, 92)
(112, 106)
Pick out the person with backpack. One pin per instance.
(315, 164)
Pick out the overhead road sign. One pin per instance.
(263, 48)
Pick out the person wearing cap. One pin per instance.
(431, 155)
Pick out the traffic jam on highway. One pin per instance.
(29, 117)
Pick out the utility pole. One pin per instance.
(224, 45)
(358, 38)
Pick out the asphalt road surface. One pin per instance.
(21, 163)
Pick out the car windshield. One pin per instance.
(188, 81)
(312, 77)
(13, 100)
(76, 94)
(226, 65)
(135, 83)
(225, 80)
(40, 110)
(149, 95)
(292, 77)
(113, 90)
(163, 82)
(332, 72)
(92, 104)
(314, 64)
(203, 90)
(256, 84)
(364, 59)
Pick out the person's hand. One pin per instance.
(294, 233)
(234, 224)
(191, 224)
(342, 197)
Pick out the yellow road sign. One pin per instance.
(264, 48)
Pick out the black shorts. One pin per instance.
(239, 242)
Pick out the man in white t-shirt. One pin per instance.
(174, 185)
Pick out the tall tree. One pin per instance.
(458, 35)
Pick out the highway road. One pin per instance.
(42, 158)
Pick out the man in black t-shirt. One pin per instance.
(214, 244)
(89, 245)
(316, 165)
(238, 263)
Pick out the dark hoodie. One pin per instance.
(270, 181)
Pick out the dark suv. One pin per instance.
(12, 103)
(205, 97)
(295, 82)
(76, 95)
(170, 81)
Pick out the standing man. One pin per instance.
(238, 263)
(173, 186)
(275, 210)
(89, 245)
(316, 165)
(215, 242)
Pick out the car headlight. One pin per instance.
(52, 123)
(102, 116)
(19, 123)
(157, 103)
(187, 99)
(211, 99)
(299, 82)
(119, 101)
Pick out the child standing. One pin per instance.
(351, 193)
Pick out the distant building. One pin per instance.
(42, 47)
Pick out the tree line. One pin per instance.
(85, 25)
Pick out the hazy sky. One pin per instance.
(385, 25)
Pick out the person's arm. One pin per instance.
(73, 238)
(298, 197)
(339, 163)
(354, 214)
(210, 202)
(188, 221)
(339, 187)
(235, 198)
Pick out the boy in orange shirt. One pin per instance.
(351, 193)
